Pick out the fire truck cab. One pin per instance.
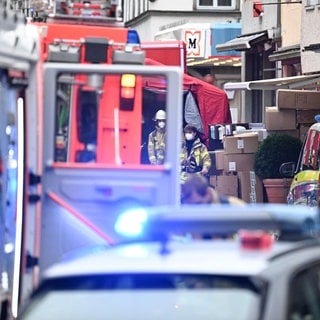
(305, 174)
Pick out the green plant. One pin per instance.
(274, 150)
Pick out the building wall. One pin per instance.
(255, 65)
(176, 5)
(167, 14)
(251, 24)
(151, 18)
(290, 24)
(310, 35)
(155, 22)
(134, 8)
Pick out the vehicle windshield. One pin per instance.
(146, 296)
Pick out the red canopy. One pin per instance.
(212, 101)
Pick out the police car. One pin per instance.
(194, 262)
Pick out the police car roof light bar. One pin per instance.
(290, 222)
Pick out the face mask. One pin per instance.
(161, 124)
(189, 136)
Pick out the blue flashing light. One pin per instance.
(133, 37)
(317, 117)
(131, 223)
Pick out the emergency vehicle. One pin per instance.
(304, 189)
(71, 137)
(78, 99)
(259, 263)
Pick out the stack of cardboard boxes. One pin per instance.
(295, 112)
(232, 171)
(234, 174)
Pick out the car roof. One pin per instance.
(196, 256)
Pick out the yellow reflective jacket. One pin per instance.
(197, 159)
(157, 146)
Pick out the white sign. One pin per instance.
(196, 36)
(196, 43)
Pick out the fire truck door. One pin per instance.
(81, 200)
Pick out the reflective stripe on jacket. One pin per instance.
(156, 147)
(198, 158)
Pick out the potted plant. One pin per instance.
(275, 150)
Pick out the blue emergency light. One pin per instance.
(131, 223)
(289, 222)
(133, 37)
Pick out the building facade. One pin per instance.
(290, 57)
(278, 44)
(201, 24)
(310, 37)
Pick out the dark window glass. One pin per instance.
(305, 294)
(224, 3)
(205, 2)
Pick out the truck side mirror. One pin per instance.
(288, 169)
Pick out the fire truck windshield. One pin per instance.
(107, 119)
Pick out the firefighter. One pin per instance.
(156, 140)
(194, 157)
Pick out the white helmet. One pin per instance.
(160, 115)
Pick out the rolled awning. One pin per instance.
(274, 84)
(243, 42)
(290, 52)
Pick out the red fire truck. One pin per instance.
(71, 138)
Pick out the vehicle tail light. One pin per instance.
(127, 92)
(256, 240)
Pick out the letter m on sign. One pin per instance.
(192, 39)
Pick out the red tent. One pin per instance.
(212, 101)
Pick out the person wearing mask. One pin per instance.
(156, 139)
(194, 157)
(197, 190)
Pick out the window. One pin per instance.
(216, 4)
(313, 2)
(305, 294)
(205, 2)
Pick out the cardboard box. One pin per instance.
(226, 185)
(213, 169)
(298, 99)
(306, 116)
(276, 119)
(242, 143)
(238, 162)
(219, 159)
(262, 133)
(250, 187)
